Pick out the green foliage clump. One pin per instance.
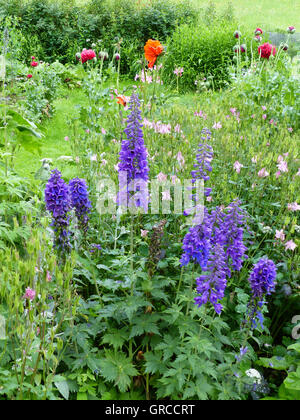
(203, 51)
(63, 28)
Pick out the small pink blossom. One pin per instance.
(263, 173)
(293, 206)
(280, 235)
(67, 138)
(166, 196)
(290, 245)
(144, 233)
(48, 277)
(29, 294)
(103, 131)
(209, 198)
(264, 116)
(282, 166)
(233, 110)
(253, 116)
(174, 179)
(263, 107)
(162, 177)
(237, 166)
(217, 125)
(254, 159)
(180, 159)
(278, 173)
(94, 158)
(290, 129)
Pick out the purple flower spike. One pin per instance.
(58, 204)
(133, 166)
(262, 282)
(80, 201)
(211, 286)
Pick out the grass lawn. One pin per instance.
(55, 130)
(267, 14)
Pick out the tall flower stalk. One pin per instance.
(58, 203)
(80, 202)
(133, 165)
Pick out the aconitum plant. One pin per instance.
(80, 201)
(58, 203)
(262, 282)
(211, 286)
(233, 234)
(196, 243)
(133, 165)
(204, 157)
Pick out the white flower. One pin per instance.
(254, 374)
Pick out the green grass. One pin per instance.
(55, 130)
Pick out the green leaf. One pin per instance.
(62, 385)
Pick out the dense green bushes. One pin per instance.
(63, 28)
(205, 52)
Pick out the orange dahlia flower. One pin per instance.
(152, 50)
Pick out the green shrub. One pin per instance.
(63, 28)
(203, 51)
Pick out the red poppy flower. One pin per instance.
(34, 64)
(265, 50)
(87, 55)
(29, 76)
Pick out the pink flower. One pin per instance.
(290, 129)
(263, 107)
(290, 245)
(209, 198)
(280, 235)
(264, 116)
(166, 196)
(217, 125)
(254, 159)
(180, 159)
(282, 166)
(174, 179)
(144, 233)
(237, 166)
(66, 138)
(278, 173)
(87, 55)
(162, 177)
(103, 131)
(263, 173)
(233, 110)
(29, 294)
(48, 277)
(29, 76)
(293, 206)
(253, 116)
